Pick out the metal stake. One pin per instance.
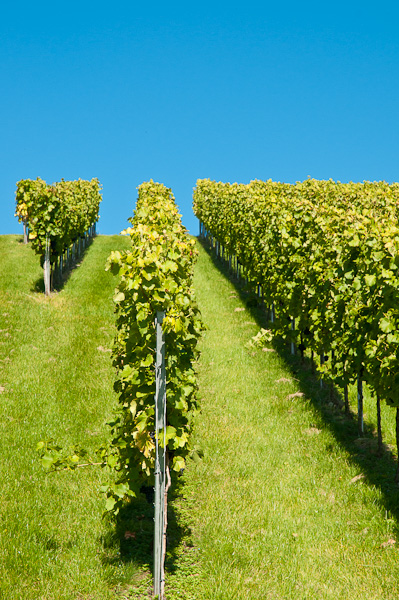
(293, 329)
(46, 267)
(160, 466)
(360, 423)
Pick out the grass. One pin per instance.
(56, 376)
(275, 509)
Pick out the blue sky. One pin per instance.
(176, 91)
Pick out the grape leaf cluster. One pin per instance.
(154, 275)
(61, 212)
(327, 255)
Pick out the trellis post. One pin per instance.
(26, 238)
(160, 462)
(46, 267)
(360, 423)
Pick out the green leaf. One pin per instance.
(120, 489)
(178, 463)
(147, 361)
(47, 461)
(133, 407)
(170, 433)
(110, 503)
(386, 325)
(370, 280)
(119, 297)
(170, 265)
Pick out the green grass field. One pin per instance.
(57, 378)
(286, 503)
(275, 509)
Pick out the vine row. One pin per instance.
(155, 275)
(326, 257)
(60, 217)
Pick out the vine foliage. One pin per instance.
(327, 255)
(154, 275)
(61, 212)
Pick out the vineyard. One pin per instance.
(58, 219)
(279, 435)
(326, 259)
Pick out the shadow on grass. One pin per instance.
(130, 535)
(58, 281)
(378, 469)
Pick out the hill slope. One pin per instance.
(286, 502)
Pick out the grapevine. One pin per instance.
(326, 254)
(154, 275)
(57, 215)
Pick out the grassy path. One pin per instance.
(56, 379)
(274, 508)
